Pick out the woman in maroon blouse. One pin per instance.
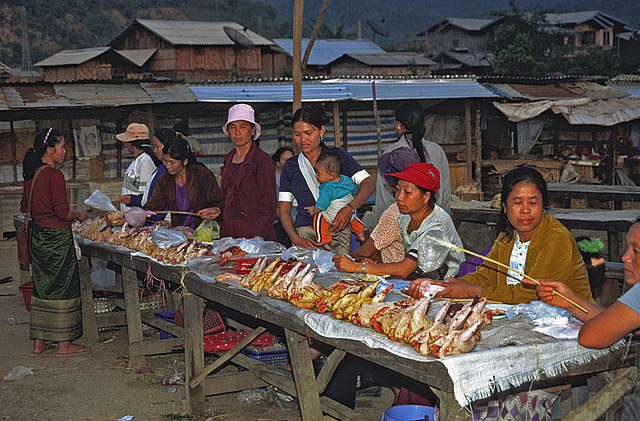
(56, 309)
(248, 180)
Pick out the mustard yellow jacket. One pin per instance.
(553, 255)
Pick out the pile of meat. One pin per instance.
(403, 320)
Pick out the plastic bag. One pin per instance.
(137, 216)
(207, 231)
(323, 259)
(17, 372)
(99, 200)
(432, 254)
(259, 246)
(164, 238)
(549, 320)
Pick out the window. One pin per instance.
(588, 38)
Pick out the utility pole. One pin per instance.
(26, 51)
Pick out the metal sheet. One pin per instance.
(169, 92)
(325, 51)
(34, 96)
(103, 95)
(199, 33)
(72, 57)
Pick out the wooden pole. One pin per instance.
(74, 158)
(376, 116)
(314, 35)
(344, 129)
(467, 125)
(14, 158)
(298, 8)
(336, 124)
(478, 175)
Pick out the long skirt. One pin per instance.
(56, 308)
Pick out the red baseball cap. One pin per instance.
(421, 174)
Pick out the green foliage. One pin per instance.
(327, 32)
(596, 62)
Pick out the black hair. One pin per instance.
(164, 135)
(45, 138)
(182, 127)
(277, 154)
(178, 148)
(331, 162)
(316, 116)
(513, 178)
(145, 146)
(412, 115)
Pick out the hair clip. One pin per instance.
(46, 137)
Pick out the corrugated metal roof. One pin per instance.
(462, 23)
(34, 96)
(72, 57)
(100, 95)
(391, 59)
(325, 51)
(169, 92)
(340, 90)
(199, 33)
(576, 18)
(137, 57)
(469, 59)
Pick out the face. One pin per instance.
(174, 166)
(524, 209)
(241, 132)
(631, 258)
(157, 146)
(409, 197)
(307, 136)
(283, 158)
(58, 152)
(322, 174)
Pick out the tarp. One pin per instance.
(582, 111)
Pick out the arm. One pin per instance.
(401, 269)
(213, 195)
(313, 210)
(287, 224)
(80, 215)
(343, 217)
(365, 252)
(609, 326)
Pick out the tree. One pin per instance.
(327, 32)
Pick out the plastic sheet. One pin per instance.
(260, 246)
(549, 320)
(137, 216)
(164, 238)
(101, 201)
(317, 257)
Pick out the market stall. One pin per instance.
(510, 355)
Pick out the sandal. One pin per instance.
(48, 347)
(81, 349)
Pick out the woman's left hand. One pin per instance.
(457, 288)
(209, 213)
(343, 217)
(345, 264)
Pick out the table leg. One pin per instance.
(304, 376)
(614, 246)
(132, 309)
(450, 410)
(89, 320)
(193, 352)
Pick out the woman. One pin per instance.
(280, 157)
(186, 187)
(604, 326)
(248, 180)
(298, 182)
(419, 217)
(385, 242)
(139, 172)
(529, 241)
(159, 139)
(410, 129)
(56, 309)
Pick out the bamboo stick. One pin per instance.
(453, 246)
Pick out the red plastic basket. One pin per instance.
(224, 341)
(211, 321)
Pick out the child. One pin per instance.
(336, 191)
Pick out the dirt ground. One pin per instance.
(98, 385)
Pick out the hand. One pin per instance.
(343, 217)
(413, 289)
(126, 199)
(345, 264)
(209, 213)
(82, 215)
(302, 242)
(457, 288)
(309, 209)
(546, 294)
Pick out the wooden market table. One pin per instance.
(303, 384)
(613, 222)
(564, 192)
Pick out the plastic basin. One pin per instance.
(408, 413)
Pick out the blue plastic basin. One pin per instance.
(408, 413)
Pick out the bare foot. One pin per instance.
(360, 237)
(68, 348)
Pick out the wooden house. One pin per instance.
(185, 50)
(384, 64)
(588, 30)
(456, 34)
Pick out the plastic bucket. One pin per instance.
(26, 290)
(408, 413)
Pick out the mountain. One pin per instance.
(55, 25)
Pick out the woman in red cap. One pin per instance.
(419, 216)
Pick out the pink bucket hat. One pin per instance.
(242, 112)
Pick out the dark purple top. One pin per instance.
(182, 204)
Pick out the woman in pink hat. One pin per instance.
(416, 189)
(248, 180)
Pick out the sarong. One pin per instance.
(56, 307)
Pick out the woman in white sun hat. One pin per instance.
(248, 180)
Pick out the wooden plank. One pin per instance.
(116, 318)
(89, 322)
(220, 384)
(449, 408)
(194, 351)
(132, 309)
(329, 367)
(156, 346)
(606, 397)
(304, 376)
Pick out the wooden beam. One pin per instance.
(314, 34)
(467, 125)
(14, 158)
(194, 351)
(89, 321)
(376, 116)
(329, 368)
(344, 129)
(478, 174)
(132, 308)
(304, 376)
(336, 124)
(298, 8)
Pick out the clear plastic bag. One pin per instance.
(323, 259)
(260, 246)
(431, 254)
(207, 231)
(137, 216)
(164, 238)
(101, 201)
